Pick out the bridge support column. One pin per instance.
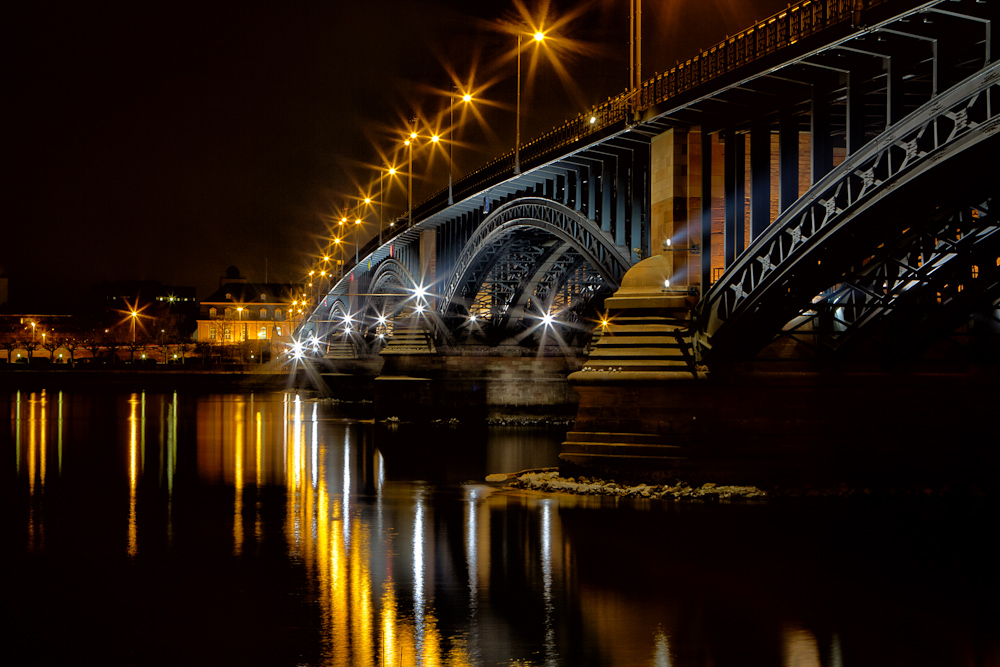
(428, 256)
(675, 199)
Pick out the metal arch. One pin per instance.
(961, 118)
(566, 224)
(930, 277)
(390, 271)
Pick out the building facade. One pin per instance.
(257, 318)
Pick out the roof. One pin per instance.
(259, 293)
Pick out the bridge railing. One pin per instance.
(785, 28)
(796, 22)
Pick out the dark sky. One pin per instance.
(169, 140)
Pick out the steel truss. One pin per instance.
(532, 256)
(827, 225)
(928, 284)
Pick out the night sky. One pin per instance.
(169, 140)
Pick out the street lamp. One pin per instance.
(451, 145)
(409, 168)
(133, 315)
(538, 37)
(357, 239)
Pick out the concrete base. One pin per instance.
(779, 427)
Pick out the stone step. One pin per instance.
(637, 363)
(582, 458)
(645, 337)
(626, 324)
(643, 330)
(619, 450)
(666, 350)
(612, 436)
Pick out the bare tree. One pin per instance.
(71, 343)
(94, 345)
(51, 343)
(10, 342)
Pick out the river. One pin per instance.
(279, 529)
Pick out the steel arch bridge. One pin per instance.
(826, 177)
(902, 236)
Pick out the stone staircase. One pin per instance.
(644, 342)
(645, 346)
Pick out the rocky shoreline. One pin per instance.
(548, 480)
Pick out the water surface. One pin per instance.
(275, 529)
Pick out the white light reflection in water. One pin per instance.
(551, 654)
(836, 658)
(418, 572)
(661, 649)
(346, 490)
(472, 565)
(59, 430)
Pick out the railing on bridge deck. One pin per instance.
(798, 21)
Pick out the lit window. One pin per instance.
(262, 333)
(277, 331)
(212, 333)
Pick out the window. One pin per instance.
(277, 331)
(212, 333)
(212, 312)
(227, 333)
(277, 313)
(229, 312)
(262, 334)
(263, 313)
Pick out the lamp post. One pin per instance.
(133, 315)
(538, 37)
(451, 144)
(409, 169)
(357, 239)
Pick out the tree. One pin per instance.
(94, 345)
(71, 343)
(114, 343)
(28, 345)
(9, 342)
(51, 343)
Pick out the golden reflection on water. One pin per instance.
(133, 473)
(800, 648)
(369, 549)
